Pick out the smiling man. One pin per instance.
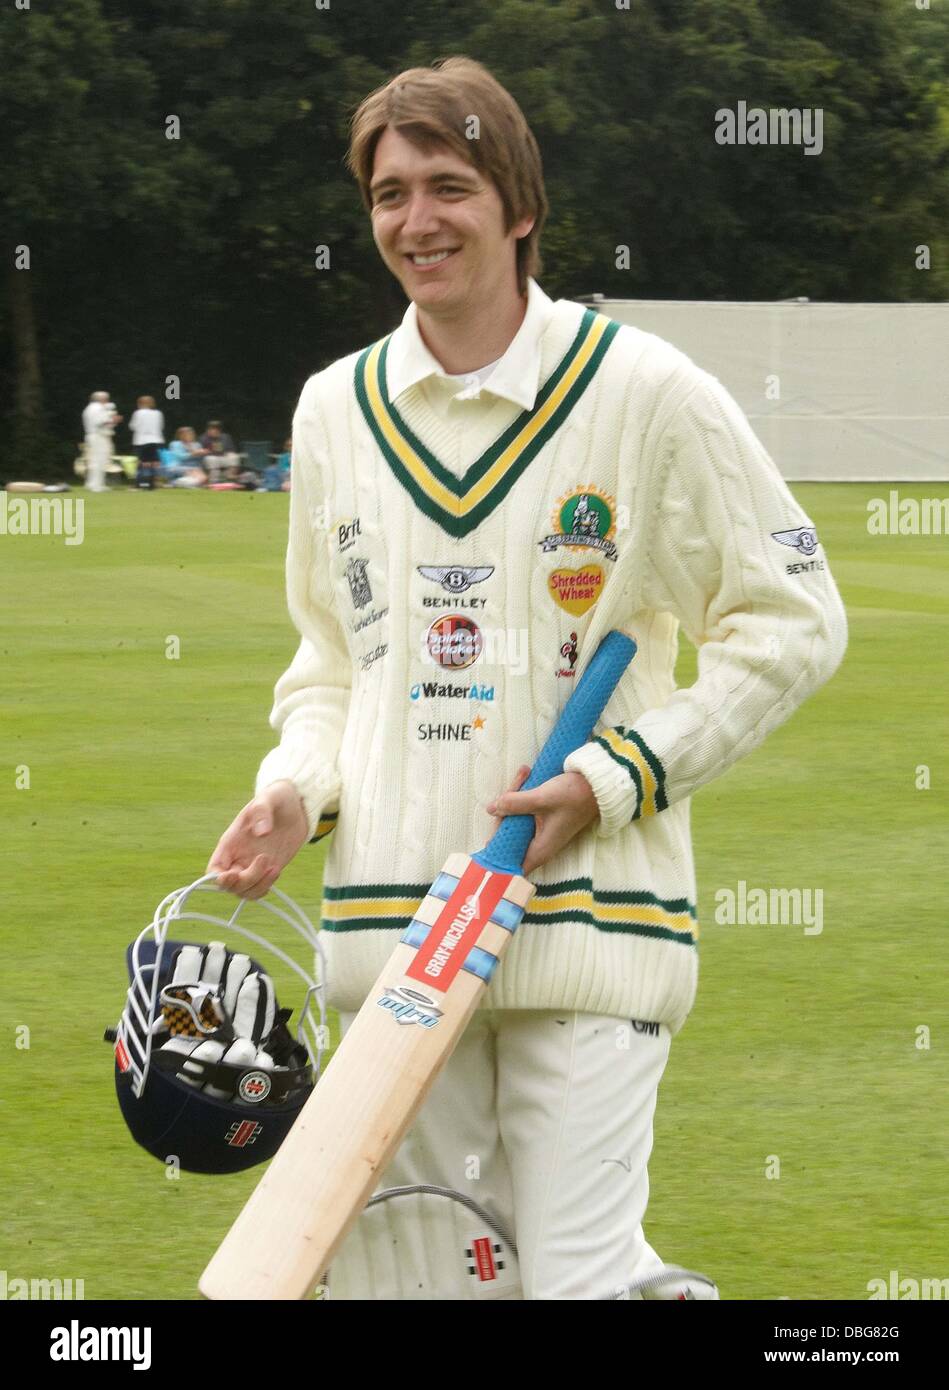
(499, 466)
(442, 228)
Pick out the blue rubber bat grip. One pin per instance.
(505, 851)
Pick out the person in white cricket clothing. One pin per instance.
(507, 478)
(99, 420)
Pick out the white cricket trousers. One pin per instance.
(543, 1118)
(98, 455)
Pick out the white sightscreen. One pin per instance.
(864, 388)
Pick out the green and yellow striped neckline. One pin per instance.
(459, 505)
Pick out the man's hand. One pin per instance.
(260, 842)
(562, 807)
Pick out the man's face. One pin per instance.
(439, 226)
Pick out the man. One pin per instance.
(99, 420)
(503, 468)
(219, 451)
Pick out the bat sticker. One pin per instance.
(409, 1006)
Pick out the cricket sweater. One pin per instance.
(456, 552)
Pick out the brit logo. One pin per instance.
(122, 1056)
(456, 579)
(802, 538)
(254, 1086)
(346, 533)
(410, 1006)
(585, 521)
(242, 1132)
(358, 583)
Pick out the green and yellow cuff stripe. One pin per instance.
(393, 905)
(627, 749)
(458, 505)
(326, 823)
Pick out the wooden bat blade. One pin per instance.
(331, 1161)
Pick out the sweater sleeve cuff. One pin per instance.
(628, 779)
(316, 792)
(616, 795)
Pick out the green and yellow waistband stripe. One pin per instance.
(641, 913)
(392, 905)
(458, 505)
(371, 905)
(637, 758)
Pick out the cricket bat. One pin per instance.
(328, 1166)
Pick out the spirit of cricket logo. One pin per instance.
(461, 925)
(456, 641)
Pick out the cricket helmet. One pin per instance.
(206, 1070)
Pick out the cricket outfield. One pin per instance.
(802, 1129)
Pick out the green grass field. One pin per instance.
(802, 1047)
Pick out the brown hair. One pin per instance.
(432, 106)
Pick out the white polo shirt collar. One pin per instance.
(516, 377)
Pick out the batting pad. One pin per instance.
(428, 1244)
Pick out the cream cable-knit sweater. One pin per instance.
(444, 617)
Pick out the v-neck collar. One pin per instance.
(459, 505)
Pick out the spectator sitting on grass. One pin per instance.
(277, 476)
(219, 450)
(244, 478)
(191, 477)
(186, 454)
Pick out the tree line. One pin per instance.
(175, 207)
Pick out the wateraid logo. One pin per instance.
(432, 690)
